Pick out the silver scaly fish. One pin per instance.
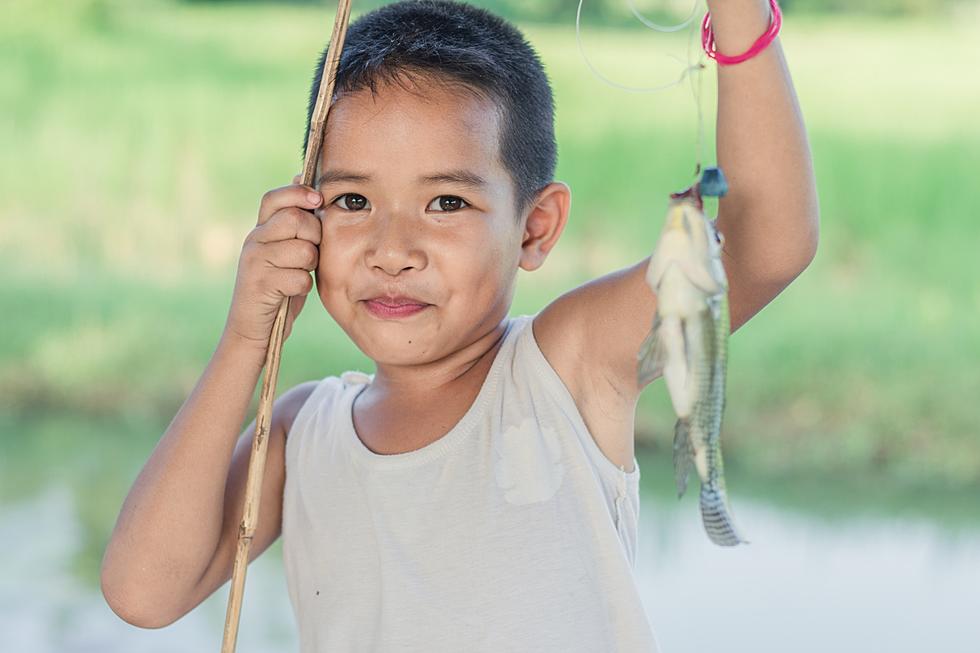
(688, 345)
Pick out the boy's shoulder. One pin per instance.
(592, 345)
(592, 333)
(287, 406)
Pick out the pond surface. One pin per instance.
(805, 584)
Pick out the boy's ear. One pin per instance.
(545, 221)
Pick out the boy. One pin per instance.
(479, 491)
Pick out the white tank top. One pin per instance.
(512, 532)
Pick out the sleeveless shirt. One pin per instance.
(511, 532)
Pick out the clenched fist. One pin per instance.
(276, 260)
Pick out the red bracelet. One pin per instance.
(708, 38)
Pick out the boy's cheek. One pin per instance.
(333, 300)
(330, 277)
(335, 253)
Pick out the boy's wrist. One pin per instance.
(236, 347)
(737, 7)
(737, 24)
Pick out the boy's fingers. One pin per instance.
(293, 195)
(290, 254)
(296, 305)
(289, 223)
(298, 178)
(288, 281)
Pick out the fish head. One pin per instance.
(688, 239)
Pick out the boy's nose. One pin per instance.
(395, 247)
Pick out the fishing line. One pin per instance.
(696, 91)
(662, 28)
(689, 67)
(650, 25)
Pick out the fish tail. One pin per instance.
(717, 517)
(683, 456)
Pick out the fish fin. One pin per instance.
(682, 455)
(717, 517)
(650, 357)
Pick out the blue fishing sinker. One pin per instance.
(713, 183)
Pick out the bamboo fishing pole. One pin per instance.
(256, 462)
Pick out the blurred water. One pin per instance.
(804, 584)
(45, 608)
(808, 585)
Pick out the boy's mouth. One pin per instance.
(397, 300)
(394, 306)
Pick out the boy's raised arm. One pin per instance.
(769, 218)
(770, 215)
(174, 541)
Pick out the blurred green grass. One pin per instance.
(138, 141)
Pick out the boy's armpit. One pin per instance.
(593, 333)
(269, 526)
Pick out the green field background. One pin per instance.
(138, 138)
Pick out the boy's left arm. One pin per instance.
(769, 217)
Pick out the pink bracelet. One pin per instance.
(708, 38)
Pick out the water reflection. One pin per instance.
(45, 607)
(804, 584)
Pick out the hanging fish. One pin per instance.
(689, 344)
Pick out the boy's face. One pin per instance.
(416, 204)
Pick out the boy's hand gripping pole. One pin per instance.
(256, 463)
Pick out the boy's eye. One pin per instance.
(445, 203)
(352, 202)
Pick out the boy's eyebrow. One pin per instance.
(460, 176)
(333, 176)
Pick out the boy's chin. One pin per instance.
(395, 349)
(395, 357)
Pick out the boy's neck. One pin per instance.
(471, 363)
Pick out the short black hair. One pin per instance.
(457, 42)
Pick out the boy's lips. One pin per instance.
(388, 306)
(397, 300)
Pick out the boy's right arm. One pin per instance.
(174, 542)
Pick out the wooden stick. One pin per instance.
(256, 463)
